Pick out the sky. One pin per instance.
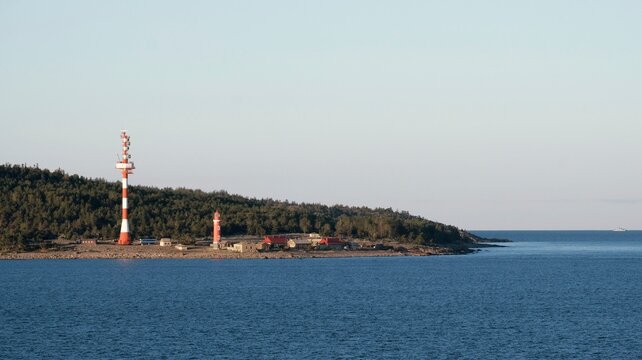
(479, 114)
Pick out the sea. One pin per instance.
(545, 295)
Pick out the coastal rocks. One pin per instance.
(110, 251)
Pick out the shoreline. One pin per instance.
(201, 252)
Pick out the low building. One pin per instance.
(63, 241)
(147, 241)
(181, 247)
(331, 243)
(244, 247)
(352, 245)
(276, 241)
(165, 242)
(299, 244)
(88, 241)
(315, 242)
(382, 247)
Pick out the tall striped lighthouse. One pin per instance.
(125, 167)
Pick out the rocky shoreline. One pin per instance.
(103, 251)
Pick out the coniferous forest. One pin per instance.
(38, 204)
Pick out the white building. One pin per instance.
(299, 244)
(243, 247)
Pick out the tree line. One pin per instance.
(39, 204)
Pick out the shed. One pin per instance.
(165, 242)
(88, 241)
(181, 247)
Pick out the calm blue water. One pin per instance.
(557, 295)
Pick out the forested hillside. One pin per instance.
(37, 204)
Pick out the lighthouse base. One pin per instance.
(124, 239)
(216, 246)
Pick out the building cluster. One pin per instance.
(289, 243)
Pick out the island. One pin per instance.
(51, 214)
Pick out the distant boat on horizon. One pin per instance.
(620, 229)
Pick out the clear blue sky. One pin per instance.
(480, 114)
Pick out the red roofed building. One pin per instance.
(280, 241)
(332, 242)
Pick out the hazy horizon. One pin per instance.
(494, 115)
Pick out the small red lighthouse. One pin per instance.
(216, 243)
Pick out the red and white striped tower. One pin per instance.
(126, 167)
(216, 236)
